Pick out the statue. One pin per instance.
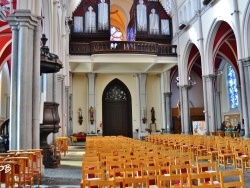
(91, 115)
(90, 21)
(141, 10)
(103, 16)
(153, 115)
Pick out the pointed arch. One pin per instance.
(246, 33)
(117, 109)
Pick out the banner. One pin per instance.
(199, 128)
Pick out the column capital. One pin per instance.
(184, 86)
(142, 74)
(60, 77)
(90, 74)
(23, 18)
(209, 76)
(167, 94)
(245, 62)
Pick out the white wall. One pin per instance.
(4, 91)
(79, 101)
(80, 98)
(153, 99)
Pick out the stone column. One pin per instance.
(209, 79)
(218, 110)
(168, 111)
(14, 128)
(37, 89)
(240, 103)
(142, 79)
(24, 56)
(205, 100)
(91, 101)
(61, 99)
(185, 112)
(244, 66)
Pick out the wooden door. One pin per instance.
(117, 112)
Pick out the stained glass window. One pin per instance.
(232, 88)
(115, 34)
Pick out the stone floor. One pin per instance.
(68, 174)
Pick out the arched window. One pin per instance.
(232, 88)
(115, 34)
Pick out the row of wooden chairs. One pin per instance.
(21, 168)
(110, 171)
(224, 150)
(166, 181)
(176, 173)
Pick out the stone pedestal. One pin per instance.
(50, 124)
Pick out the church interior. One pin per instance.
(168, 76)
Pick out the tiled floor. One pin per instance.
(68, 174)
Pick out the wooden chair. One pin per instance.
(210, 168)
(7, 173)
(202, 180)
(73, 140)
(135, 182)
(133, 172)
(101, 183)
(23, 176)
(15, 151)
(115, 164)
(91, 165)
(234, 178)
(180, 169)
(163, 170)
(90, 158)
(118, 174)
(204, 159)
(90, 175)
(174, 180)
(242, 160)
(213, 152)
(225, 157)
(37, 164)
(151, 172)
(202, 150)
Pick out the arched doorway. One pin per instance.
(117, 110)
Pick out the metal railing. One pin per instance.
(133, 47)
